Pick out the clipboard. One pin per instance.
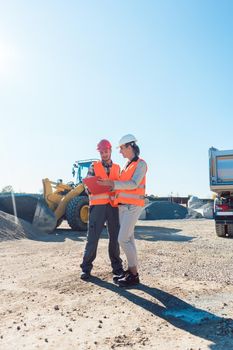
(93, 187)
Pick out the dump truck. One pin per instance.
(58, 202)
(221, 182)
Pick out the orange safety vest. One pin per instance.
(136, 196)
(104, 198)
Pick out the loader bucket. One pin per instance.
(44, 218)
(31, 208)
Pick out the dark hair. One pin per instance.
(135, 147)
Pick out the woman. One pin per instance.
(130, 197)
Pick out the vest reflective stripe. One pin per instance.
(130, 195)
(99, 196)
(135, 196)
(142, 186)
(104, 198)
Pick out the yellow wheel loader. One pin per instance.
(59, 202)
(67, 201)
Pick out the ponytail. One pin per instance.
(135, 148)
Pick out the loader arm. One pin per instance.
(54, 192)
(61, 209)
(58, 195)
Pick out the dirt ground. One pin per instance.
(184, 300)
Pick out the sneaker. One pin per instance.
(129, 280)
(119, 275)
(85, 275)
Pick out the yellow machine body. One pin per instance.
(58, 195)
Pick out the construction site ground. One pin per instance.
(184, 300)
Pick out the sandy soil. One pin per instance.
(184, 300)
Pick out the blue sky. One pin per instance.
(74, 72)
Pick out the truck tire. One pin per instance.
(230, 230)
(220, 230)
(77, 213)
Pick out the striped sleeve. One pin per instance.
(137, 177)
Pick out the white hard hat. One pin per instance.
(126, 139)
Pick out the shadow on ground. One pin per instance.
(60, 235)
(180, 314)
(154, 233)
(147, 233)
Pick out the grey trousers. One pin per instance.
(129, 215)
(98, 215)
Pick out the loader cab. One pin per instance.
(80, 169)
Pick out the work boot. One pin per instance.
(128, 280)
(85, 275)
(118, 274)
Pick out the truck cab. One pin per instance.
(221, 182)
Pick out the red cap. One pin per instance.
(104, 144)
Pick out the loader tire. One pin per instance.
(77, 213)
(221, 230)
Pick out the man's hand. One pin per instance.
(102, 182)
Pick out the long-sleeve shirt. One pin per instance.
(136, 179)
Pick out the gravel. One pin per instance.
(12, 228)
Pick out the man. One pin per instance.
(102, 210)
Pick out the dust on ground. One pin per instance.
(184, 300)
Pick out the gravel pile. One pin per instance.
(164, 210)
(12, 228)
(198, 209)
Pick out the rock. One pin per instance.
(194, 202)
(194, 214)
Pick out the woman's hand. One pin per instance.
(102, 182)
